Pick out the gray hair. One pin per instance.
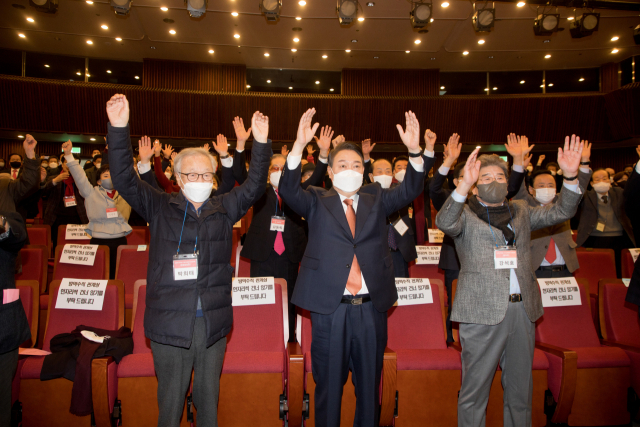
(192, 152)
(493, 160)
(277, 156)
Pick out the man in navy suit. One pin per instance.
(346, 275)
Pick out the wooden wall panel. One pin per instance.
(390, 82)
(195, 76)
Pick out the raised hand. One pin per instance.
(260, 127)
(310, 149)
(61, 177)
(452, 151)
(586, 152)
(206, 146)
(29, 146)
(367, 148)
(518, 147)
(145, 149)
(118, 110)
(569, 158)
(43, 174)
(527, 160)
(284, 150)
(411, 134)
(324, 142)
(471, 173)
(220, 145)
(157, 148)
(430, 138)
(241, 134)
(305, 131)
(66, 147)
(173, 156)
(541, 159)
(337, 141)
(168, 149)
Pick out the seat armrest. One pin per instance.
(295, 383)
(625, 347)
(389, 387)
(568, 379)
(103, 375)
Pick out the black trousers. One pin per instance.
(352, 338)
(548, 274)
(449, 277)
(400, 266)
(617, 243)
(8, 367)
(280, 267)
(113, 251)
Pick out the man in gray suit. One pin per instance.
(553, 251)
(497, 299)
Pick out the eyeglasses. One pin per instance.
(276, 168)
(193, 177)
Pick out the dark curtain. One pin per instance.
(196, 76)
(386, 82)
(623, 111)
(609, 77)
(44, 149)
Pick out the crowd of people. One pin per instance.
(339, 227)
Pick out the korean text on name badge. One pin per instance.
(253, 291)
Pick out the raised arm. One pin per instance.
(147, 152)
(518, 147)
(239, 170)
(324, 145)
(79, 176)
(451, 152)
(29, 178)
(227, 182)
(142, 198)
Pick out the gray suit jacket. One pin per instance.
(589, 214)
(561, 233)
(482, 292)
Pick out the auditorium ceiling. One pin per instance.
(385, 39)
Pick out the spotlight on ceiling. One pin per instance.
(271, 9)
(546, 24)
(121, 7)
(347, 11)
(196, 8)
(584, 25)
(420, 14)
(636, 34)
(46, 6)
(483, 19)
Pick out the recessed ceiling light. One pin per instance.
(541, 85)
(172, 31)
(324, 56)
(237, 36)
(234, 13)
(433, 59)
(290, 88)
(520, 4)
(486, 89)
(248, 86)
(137, 77)
(431, 20)
(480, 41)
(89, 42)
(354, 41)
(266, 54)
(521, 82)
(302, 2)
(370, 4)
(104, 27)
(331, 90)
(118, 39)
(418, 41)
(550, 84)
(268, 81)
(21, 35)
(466, 52)
(92, 139)
(547, 56)
(32, 20)
(347, 50)
(20, 136)
(317, 82)
(478, 146)
(615, 38)
(46, 65)
(495, 88)
(298, 18)
(614, 51)
(441, 87)
(89, 2)
(108, 71)
(491, 57)
(445, 4)
(294, 50)
(295, 39)
(581, 79)
(210, 50)
(570, 18)
(164, 9)
(361, 18)
(376, 57)
(79, 73)
(407, 51)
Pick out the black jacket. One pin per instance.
(632, 208)
(588, 214)
(260, 239)
(14, 327)
(170, 313)
(55, 202)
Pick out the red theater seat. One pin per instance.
(47, 402)
(138, 236)
(627, 264)
(62, 232)
(243, 265)
(29, 291)
(428, 373)
(34, 265)
(429, 271)
(595, 264)
(40, 235)
(131, 265)
(588, 381)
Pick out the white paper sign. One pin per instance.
(142, 248)
(428, 254)
(76, 232)
(626, 282)
(413, 291)
(634, 253)
(78, 254)
(81, 294)
(435, 235)
(559, 292)
(253, 291)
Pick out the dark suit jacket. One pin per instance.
(327, 259)
(55, 195)
(588, 214)
(15, 190)
(260, 239)
(632, 208)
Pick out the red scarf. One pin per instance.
(111, 193)
(68, 191)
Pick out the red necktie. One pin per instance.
(14, 174)
(354, 282)
(551, 252)
(278, 245)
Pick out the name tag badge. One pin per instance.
(185, 267)
(505, 257)
(112, 213)
(400, 226)
(600, 226)
(277, 223)
(69, 201)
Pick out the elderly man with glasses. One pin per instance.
(188, 310)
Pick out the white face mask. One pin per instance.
(383, 180)
(97, 165)
(400, 175)
(274, 178)
(197, 192)
(602, 187)
(347, 181)
(611, 180)
(168, 175)
(545, 195)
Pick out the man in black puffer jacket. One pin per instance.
(188, 307)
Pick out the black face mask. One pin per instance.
(16, 165)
